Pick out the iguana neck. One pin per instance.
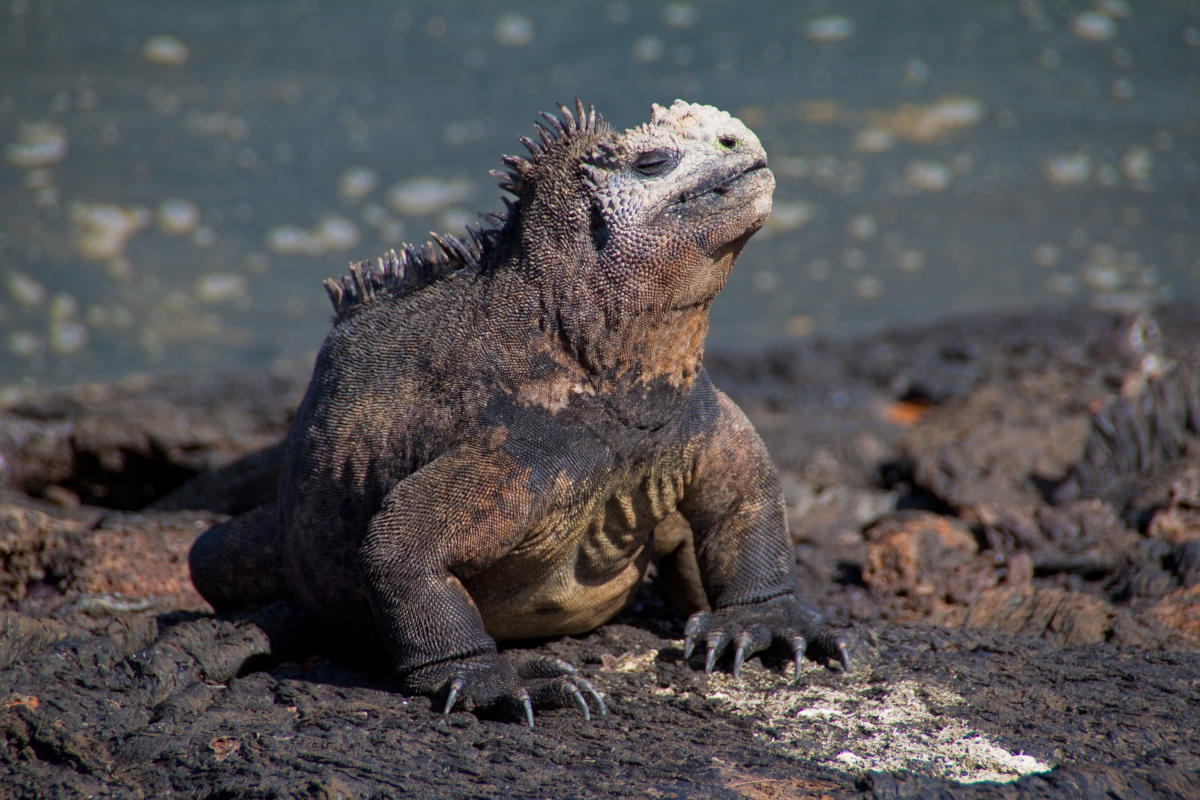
(653, 348)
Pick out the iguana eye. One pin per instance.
(654, 162)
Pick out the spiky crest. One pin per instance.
(553, 132)
(413, 268)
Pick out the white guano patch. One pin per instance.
(861, 726)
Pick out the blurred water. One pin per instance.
(179, 177)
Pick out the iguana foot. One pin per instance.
(755, 627)
(490, 682)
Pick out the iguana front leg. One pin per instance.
(746, 558)
(451, 519)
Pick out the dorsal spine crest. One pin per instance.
(413, 268)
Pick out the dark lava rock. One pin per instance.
(1010, 638)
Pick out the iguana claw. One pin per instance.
(753, 627)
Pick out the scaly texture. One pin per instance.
(495, 428)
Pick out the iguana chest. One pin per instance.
(578, 566)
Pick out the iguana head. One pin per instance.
(644, 221)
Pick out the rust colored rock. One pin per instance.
(928, 561)
(1063, 617)
(120, 560)
(1180, 520)
(1180, 611)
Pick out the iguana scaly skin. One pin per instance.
(495, 428)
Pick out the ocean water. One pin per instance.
(177, 178)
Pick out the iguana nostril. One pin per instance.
(728, 142)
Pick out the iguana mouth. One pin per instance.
(722, 184)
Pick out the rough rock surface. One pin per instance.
(1021, 627)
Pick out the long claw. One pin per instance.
(799, 645)
(577, 696)
(843, 656)
(739, 655)
(710, 659)
(691, 632)
(456, 686)
(591, 690)
(527, 704)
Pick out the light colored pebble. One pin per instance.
(916, 71)
(23, 344)
(103, 229)
(910, 261)
(66, 336)
(421, 196)
(38, 144)
(514, 30)
(862, 226)
(120, 316)
(1047, 255)
(455, 219)
(177, 216)
(292, 240)
(648, 49)
(791, 166)
(1114, 8)
(355, 183)
(928, 123)
(393, 231)
(165, 49)
(1102, 276)
(1069, 169)
(868, 288)
(790, 216)
(1063, 284)
(874, 140)
(829, 29)
(119, 268)
(63, 306)
(204, 236)
(1123, 89)
(217, 287)
(1137, 164)
(800, 325)
(24, 290)
(1093, 26)
(929, 176)
(680, 15)
(217, 123)
(375, 215)
(957, 112)
(765, 281)
(337, 233)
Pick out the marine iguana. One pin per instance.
(495, 427)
